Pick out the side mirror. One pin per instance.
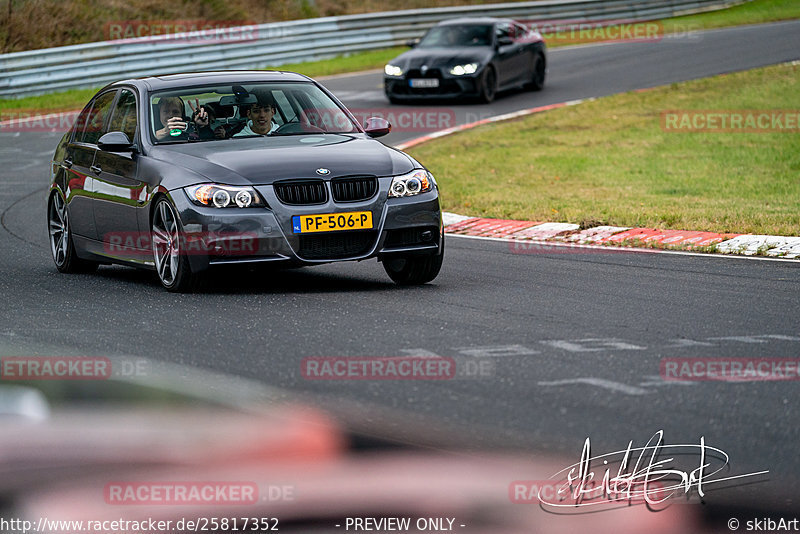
(377, 127)
(115, 142)
(411, 43)
(504, 41)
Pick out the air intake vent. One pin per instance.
(336, 245)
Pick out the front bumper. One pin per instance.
(399, 88)
(410, 225)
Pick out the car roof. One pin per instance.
(170, 81)
(472, 20)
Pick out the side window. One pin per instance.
(284, 107)
(502, 30)
(80, 123)
(95, 120)
(519, 32)
(124, 117)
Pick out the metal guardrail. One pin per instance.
(88, 65)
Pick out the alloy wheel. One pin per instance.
(166, 242)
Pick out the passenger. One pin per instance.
(170, 120)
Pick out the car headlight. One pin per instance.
(224, 196)
(393, 70)
(460, 70)
(414, 183)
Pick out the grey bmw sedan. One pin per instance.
(183, 173)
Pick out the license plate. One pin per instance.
(331, 222)
(422, 83)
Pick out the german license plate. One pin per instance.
(331, 222)
(424, 83)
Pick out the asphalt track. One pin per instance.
(574, 338)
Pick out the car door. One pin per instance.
(510, 57)
(526, 40)
(118, 194)
(78, 159)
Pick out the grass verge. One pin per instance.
(610, 161)
(755, 12)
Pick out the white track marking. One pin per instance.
(599, 382)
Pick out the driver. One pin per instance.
(259, 115)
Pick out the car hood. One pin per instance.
(442, 57)
(262, 161)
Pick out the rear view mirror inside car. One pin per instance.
(237, 100)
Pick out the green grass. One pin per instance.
(610, 162)
(372, 59)
(61, 101)
(755, 11)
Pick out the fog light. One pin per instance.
(427, 235)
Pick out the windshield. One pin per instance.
(447, 36)
(207, 113)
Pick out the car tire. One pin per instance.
(414, 270)
(61, 245)
(488, 83)
(538, 72)
(172, 265)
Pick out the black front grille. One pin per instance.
(354, 188)
(430, 73)
(446, 85)
(301, 192)
(336, 245)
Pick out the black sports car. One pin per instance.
(183, 172)
(471, 57)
